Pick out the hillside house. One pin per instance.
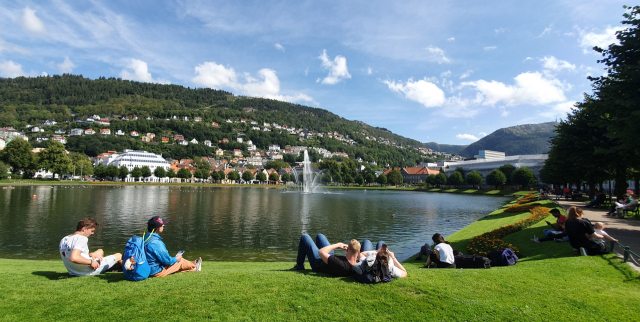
(208, 143)
(164, 139)
(134, 133)
(105, 131)
(75, 132)
(89, 132)
(119, 132)
(237, 153)
(219, 152)
(215, 124)
(178, 137)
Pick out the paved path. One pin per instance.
(626, 231)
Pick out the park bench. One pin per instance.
(635, 212)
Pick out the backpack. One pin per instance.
(503, 257)
(372, 271)
(472, 261)
(135, 266)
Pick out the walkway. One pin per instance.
(626, 231)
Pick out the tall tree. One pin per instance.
(55, 159)
(395, 177)
(508, 171)
(112, 171)
(474, 177)
(247, 176)
(274, 177)
(184, 173)
(136, 173)
(17, 154)
(455, 179)
(123, 172)
(525, 177)
(159, 172)
(145, 172)
(496, 178)
(261, 177)
(382, 179)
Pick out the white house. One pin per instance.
(207, 143)
(255, 128)
(119, 132)
(35, 129)
(194, 141)
(183, 142)
(75, 132)
(89, 132)
(59, 138)
(105, 132)
(139, 159)
(239, 140)
(134, 133)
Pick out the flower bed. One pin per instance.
(490, 241)
(531, 197)
(520, 208)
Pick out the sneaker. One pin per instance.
(535, 239)
(583, 252)
(198, 264)
(297, 268)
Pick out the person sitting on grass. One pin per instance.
(580, 231)
(599, 228)
(395, 267)
(442, 254)
(160, 262)
(75, 255)
(558, 231)
(322, 259)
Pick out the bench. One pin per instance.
(635, 212)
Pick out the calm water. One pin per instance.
(230, 224)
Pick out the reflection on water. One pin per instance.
(228, 223)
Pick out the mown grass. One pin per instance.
(550, 283)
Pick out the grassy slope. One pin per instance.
(549, 284)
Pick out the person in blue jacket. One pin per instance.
(161, 263)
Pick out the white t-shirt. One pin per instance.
(599, 240)
(395, 272)
(67, 245)
(446, 253)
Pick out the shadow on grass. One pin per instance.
(52, 276)
(615, 261)
(112, 277)
(348, 279)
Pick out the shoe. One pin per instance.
(558, 240)
(199, 264)
(297, 268)
(535, 239)
(583, 252)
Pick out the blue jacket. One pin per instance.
(157, 254)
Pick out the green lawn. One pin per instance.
(550, 283)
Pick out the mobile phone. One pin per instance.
(180, 253)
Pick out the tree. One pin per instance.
(112, 171)
(382, 179)
(276, 165)
(347, 179)
(474, 178)
(496, 178)
(395, 177)
(100, 171)
(508, 171)
(285, 177)
(359, 179)
(123, 172)
(261, 177)
(247, 176)
(431, 180)
(184, 173)
(349, 167)
(440, 179)
(326, 177)
(201, 174)
(370, 178)
(215, 176)
(222, 174)
(525, 177)
(455, 178)
(55, 159)
(332, 166)
(159, 172)
(145, 171)
(274, 177)
(171, 173)
(83, 165)
(459, 169)
(17, 154)
(136, 173)
(200, 163)
(234, 176)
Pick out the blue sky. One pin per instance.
(443, 71)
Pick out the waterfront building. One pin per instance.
(132, 159)
(485, 165)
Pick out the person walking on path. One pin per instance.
(157, 255)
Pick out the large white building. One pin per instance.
(485, 165)
(132, 159)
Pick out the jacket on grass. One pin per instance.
(157, 255)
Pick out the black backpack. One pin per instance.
(503, 257)
(472, 261)
(377, 273)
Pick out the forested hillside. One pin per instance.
(67, 98)
(515, 140)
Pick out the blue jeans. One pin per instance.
(367, 246)
(307, 248)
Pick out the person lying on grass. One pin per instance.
(580, 231)
(442, 253)
(322, 259)
(75, 255)
(396, 269)
(161, 263)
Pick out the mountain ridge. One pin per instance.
(515, 140)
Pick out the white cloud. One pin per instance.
(559, 110)
(44, 74)
(422, 91)
(10, 69)
(8, 47)
(483, 134)
(337, 68)
(369, 71)
(445, 74)
(30, 22)
(529, 88)
(437, 55)
(466, 74)
(267, 84)
(467, 137)
(451, 39)
(67, 66)
(602, 39)
(458, 107)
(545, 31)
(306, 71)
(556, 65)
(137, 70)
(500, 30)
(279, 47)
(489, 48)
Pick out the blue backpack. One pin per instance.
(135, 266)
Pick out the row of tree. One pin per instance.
(598, 141)
(18, 155)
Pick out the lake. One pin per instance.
(230, 223)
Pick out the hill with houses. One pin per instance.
(101, 115)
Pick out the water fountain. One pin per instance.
(309, 178)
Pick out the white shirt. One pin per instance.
(67, 245)
(446, 253)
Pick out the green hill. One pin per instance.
(515, 140)
(446, 148)
(68, 98)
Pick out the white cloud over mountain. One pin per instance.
(337, 68)
(530, 88)
(67, 65)
(422, 91)
(138, 70)
(467, 137)
(10, 69)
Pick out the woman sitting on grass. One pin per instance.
(442, 253)
(580, 231)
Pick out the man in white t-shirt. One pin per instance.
(75, 255)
